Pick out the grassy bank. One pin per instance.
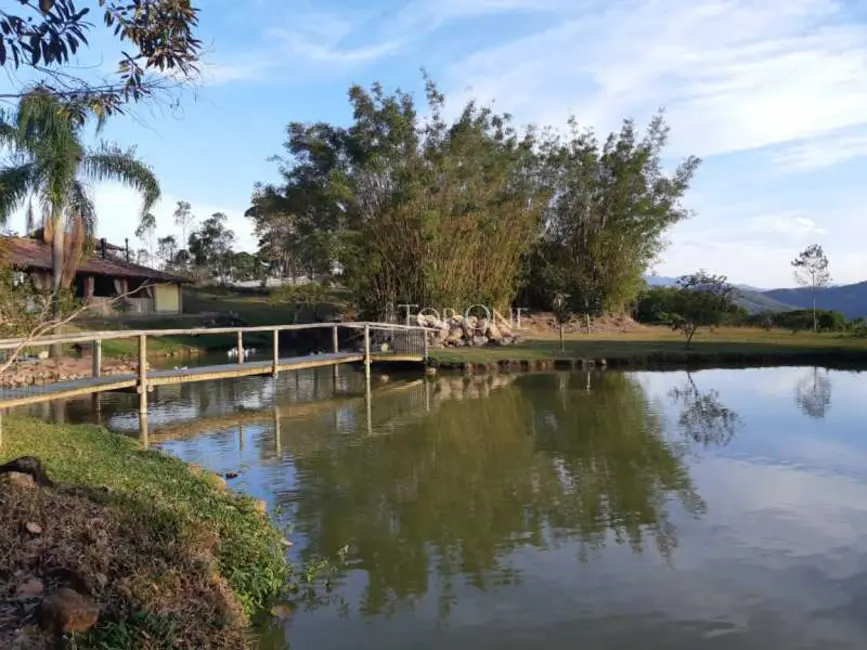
(171, 557)
(660, 346)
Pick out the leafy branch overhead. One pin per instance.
(44, 36)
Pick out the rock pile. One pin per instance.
(49, 371)
(471, 331)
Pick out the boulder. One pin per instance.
(30, 588)
(18, 479)
(66, 611)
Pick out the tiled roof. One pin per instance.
(26, 253)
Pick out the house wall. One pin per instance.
(168, 298)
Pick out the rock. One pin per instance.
(231, 475)
(67, 611)
(19, 479)
(43, 354)
(480, 341)
(33, 528)
(283, 611)
(285, 542)
(30, 589)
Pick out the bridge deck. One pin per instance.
(13, 397)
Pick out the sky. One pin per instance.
(771, 94)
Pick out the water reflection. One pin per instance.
(703, 418)
(462, 489)
(813, 393)
(667, 510)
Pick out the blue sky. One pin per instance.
(771, 94)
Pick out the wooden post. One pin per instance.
(97, 357)
(277, 440)
(367, 350)
(143, 430)
(276, 361)
(335, 343)
(143, 374)
(240, 347)
(368, 405)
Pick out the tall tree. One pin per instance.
(184, 219)
(413, 209)
(167, 251)
(612, 203)
(811, 270)
(158, 48)
(211, 247)
(49, 162)
(146, 232)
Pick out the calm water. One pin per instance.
(719, 509)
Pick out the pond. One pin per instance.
(671, 510)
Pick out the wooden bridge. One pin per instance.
(372, 342)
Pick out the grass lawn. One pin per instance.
(255, 308)
(172, 558)
(662, 346)
(250, 305)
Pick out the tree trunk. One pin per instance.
(815, 322)
(562, 343)
(57, 242)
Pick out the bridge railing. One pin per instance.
(368, 340)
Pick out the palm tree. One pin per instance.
(49, 162)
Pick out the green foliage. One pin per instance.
(156, 38)
(656, 305)
(49, 163)
(210, 247)
(799, 320)
(612, 203)
(701, 300)
(414, 209)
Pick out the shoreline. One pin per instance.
(117, 524)
(724, 349)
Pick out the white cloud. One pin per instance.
(818, 153)
(733, 75)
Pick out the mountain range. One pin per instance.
(848, 299)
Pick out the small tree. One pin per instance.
(702, 300)
(563, 314)
(811, 270)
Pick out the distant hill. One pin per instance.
(756, 302)
(849, 299)
(753, 300)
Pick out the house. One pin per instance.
(101, 277)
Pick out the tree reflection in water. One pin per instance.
(541, 461)
(703, 418)
(813, 393)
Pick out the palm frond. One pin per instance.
(80, 210)
(31, 219)
(16, 183)
(110, 162)
(79, 227)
